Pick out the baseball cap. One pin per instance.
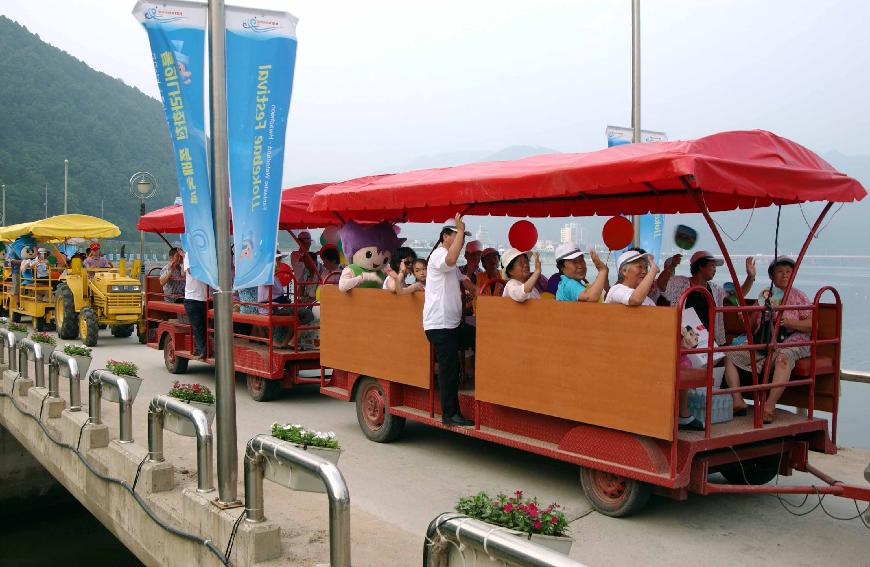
(779, 260)
(94, 246)
(568, 251)
(704, 255)
(488, 251)
(630, 256)
(451, 225)
(473, 246)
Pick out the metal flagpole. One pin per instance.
(46, 200)
(3, 223)
(635, 96)
(227, 451)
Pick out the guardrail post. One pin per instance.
(336, 489)
(28, 346)
(157, 410)
(94, 394)
(22, 360)
(10, 342)
(120, 388)
(56, 363)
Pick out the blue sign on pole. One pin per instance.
(650, 226)
(176, 31)
(261, 56)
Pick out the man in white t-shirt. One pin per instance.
(195, 297)
(442, 316)
(637, 274)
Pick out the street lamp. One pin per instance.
(143, 186)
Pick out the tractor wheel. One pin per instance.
(614, 495)
(262, 389)
(372, 413)
(755, 471)
(16, 317)
(174, 363)
(66, 318)
(89, 330)
(142, 333)
(39, 324)
(122, 331)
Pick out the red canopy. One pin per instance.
(294, 213)
(730, 170)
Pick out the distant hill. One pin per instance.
(451, 159)
(55, 107)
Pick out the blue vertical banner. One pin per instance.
(650, 226)
(261, 56)
(176, 31)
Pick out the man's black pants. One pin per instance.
(196, 311)
(447, 343)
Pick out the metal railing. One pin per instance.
(8, 353)
(457, 531)
(257, 450)
(61, 363)
(157, 409)
(121, 391)
(26, 346)
(855, 376)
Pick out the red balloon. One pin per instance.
(523, 235)
(618, 233)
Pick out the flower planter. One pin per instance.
(84, 363)
(111, 394)
(19, 336)
(559, 544)
(182, 425)
(291, 476)
(47, 349)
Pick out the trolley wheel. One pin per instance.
(122, 331)
(66, 318)
(39, 324)
(755, 471)
(614, 495)
(16, 317)
(262, 389)
(142, 332)
(372, 413)
(89, 330)
(173, 363)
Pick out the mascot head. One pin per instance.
(24, 247)
(369, 246)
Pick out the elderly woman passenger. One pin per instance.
(795, 326)
(488, 281)
(572, 268)
(637, 275)
(521, 284)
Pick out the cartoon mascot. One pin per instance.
(369, 248)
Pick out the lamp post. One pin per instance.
(65, 176)
(635, 96)
(143, 186)
(3, 222)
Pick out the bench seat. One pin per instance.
(260, 320)
(166, 306)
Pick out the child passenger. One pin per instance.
(402, 264)
(420, 272)
(521, 284)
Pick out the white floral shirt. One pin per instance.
(678, 284)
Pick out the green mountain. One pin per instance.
(55, 107)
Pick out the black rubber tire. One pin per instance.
(754, 472)
(173, 363)
(88, 320)
(39, 324)
(16, 317)
(122, 331)
(614, 495)
(262, 389)
(65, 311)
(142, 333)
(373, 415)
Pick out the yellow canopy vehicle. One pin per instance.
(78, 300)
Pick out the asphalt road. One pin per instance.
(398, 488)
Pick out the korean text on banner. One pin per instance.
(176, 31)
(261, 55)
(651, 226)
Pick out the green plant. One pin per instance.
(4, 321)
(43, 338)
(77, 350)
(122, 368)
(17, 328)
(298, 434)
(191, 393)
(515, 513)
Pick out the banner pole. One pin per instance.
(227, 450)
(635, 96)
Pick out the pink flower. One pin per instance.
(537, 524)
(533, 510)
(508, 507)
(519, 493)
(554, 520)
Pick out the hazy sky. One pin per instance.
(380, 83)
